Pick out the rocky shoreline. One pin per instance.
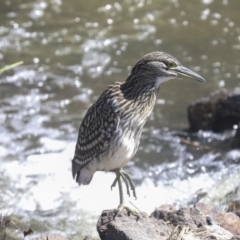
(168, 223)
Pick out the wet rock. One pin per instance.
(217, 112)
(184, 216)
(166, 222)
(125, 227)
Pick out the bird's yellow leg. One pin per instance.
(122, 204)
(127, 180)
(130, 181)
(120, 175)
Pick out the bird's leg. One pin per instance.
(127, 176)
(120, 175)
(122, 204)
(127, 180)
(121, 194)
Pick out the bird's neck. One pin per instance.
(142, 97)
(144, 93)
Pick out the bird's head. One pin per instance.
(158, 67)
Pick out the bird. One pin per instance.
(110, 132)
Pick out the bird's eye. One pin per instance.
(171, 64)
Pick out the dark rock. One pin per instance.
(163, 212)
(184, 216)
(166, 222)
(218, 112)
(125, 227)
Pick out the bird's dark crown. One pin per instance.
(157, 67)
(150, 68)
(158, 57)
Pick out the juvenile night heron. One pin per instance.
(110, 132)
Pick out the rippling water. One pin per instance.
(71, 51)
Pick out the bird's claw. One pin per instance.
(130, 210)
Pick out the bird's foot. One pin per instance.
(127, 180)
(130, 210)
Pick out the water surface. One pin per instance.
(71, 51)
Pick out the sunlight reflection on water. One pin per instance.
(71, 52)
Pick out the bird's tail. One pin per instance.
(76, 167)
(81, 174)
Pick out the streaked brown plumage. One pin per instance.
(110, 132)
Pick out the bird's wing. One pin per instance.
(96, 130)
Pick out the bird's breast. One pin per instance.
(122, 147)
(126, 138)
(126, 145)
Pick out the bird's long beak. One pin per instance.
(181, 70)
